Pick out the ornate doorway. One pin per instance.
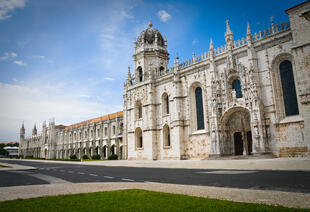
(236, 132)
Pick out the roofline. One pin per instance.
(107, 117)
(298, 5)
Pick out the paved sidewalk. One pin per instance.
(243, 164)
(12, 167)
(287, 199)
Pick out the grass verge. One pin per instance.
(3, 166)
(131, 200)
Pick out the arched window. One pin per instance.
(138, 110)
(165, 104)
(288, 88)
(199, 108)
(112, 149)
(161, 71)
(140, 74)
(166, 134)
(121, 128)
(106, 131)
(98, 132)
(139, 138)
(236, 85)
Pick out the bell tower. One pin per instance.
(150, 55)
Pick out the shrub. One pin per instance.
(85, 157)
(113, 157)
(95, 157)
(73, 157)
(29, 157)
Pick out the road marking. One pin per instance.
(108, 177)
(227, 172)
(49, 179)
(93, 175)
(81, 173)
(125, 179)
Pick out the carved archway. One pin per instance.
(236, 128)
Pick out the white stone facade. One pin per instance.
(100, 136)
(208, 114)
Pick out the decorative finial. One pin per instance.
(271, 19)
(129, 74)
(248, 30)
(150, 24)
(177, 56)
(228, 31)
(211, 43)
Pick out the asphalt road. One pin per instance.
(292, 181)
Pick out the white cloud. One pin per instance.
(14, 79)
(20, 63)
(164, 16)
(108, 78)
(124, 14)
(38, 103)
(7, 6)
(7, 56)
(37, 57)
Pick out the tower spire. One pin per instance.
(248, 30)
(129, 82)
(228, 31)
(249, 36)
(129, 74)
(228, 37)
(211, 44)
(34, 131)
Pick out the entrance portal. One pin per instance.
(238, 143)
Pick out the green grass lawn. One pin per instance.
(131, 200)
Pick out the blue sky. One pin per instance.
(68, 59)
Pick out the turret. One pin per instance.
(211, 49)
(229, 36)
(150, 55)
(129, 80)
(34, 131)
(22, 132)
(249, 36)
